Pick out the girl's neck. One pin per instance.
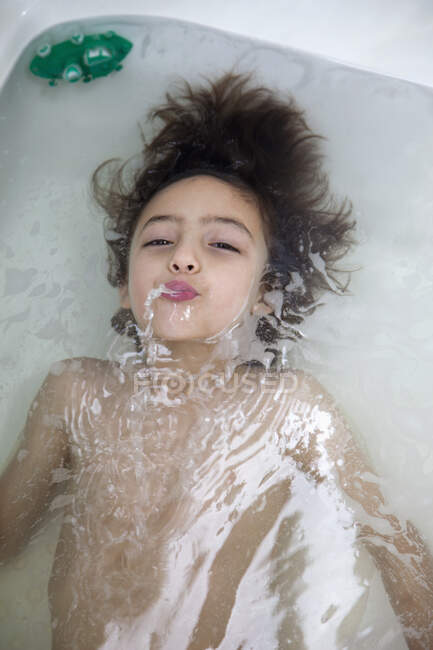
(189, 357)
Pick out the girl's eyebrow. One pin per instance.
(207, 219)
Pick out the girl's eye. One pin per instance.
(228, 245)
(155, 240)
(224, 244)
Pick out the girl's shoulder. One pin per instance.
(290, 384)
(84, 375)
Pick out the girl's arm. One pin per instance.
(398, 550)
(38, 469)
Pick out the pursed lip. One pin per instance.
(183, 290)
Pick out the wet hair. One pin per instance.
(258, 141)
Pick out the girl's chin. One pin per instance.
(162, 336)
(172, 329)
(182, 332)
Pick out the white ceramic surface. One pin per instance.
(393, 37)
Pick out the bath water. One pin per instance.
(372, 349)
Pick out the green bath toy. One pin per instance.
(81, 57)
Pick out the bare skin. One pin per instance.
(133, 493)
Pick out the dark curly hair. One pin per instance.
(260, 143)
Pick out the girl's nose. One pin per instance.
(184, 260)
(182, 268)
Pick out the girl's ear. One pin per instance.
(261, 308)
(124, 297)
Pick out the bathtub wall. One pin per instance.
(392, 37)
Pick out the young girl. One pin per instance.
(195, 471)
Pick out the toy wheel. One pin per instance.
(77, 39)
(72, 73)
(43, 50)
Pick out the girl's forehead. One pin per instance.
(197, 196)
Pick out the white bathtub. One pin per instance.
(390, 37)
(373, 350)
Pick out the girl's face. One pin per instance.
(201, 231)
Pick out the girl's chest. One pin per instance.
(159, 467)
